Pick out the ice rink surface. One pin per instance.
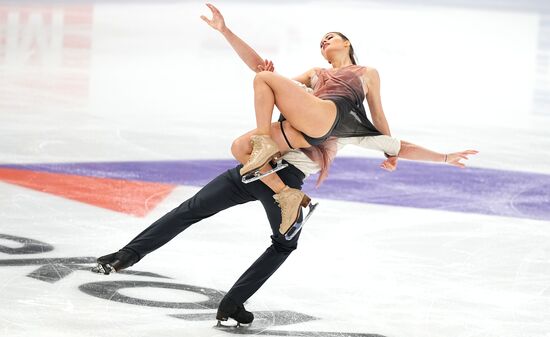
(113, 113)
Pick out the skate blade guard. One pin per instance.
(297, 226)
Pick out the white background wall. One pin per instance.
(156, 80)
(461, 66)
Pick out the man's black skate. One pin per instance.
(230, 309)
(115, 262)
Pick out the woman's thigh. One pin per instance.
(294, 136)
(305, 112)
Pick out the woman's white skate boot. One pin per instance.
(290, 200)
(264, 149)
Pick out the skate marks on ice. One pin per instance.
(243, 330)
(52, 270)
(263, 320)
(55, 269)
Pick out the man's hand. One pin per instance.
(217, 21)
(267, 66)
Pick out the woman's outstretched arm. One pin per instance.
(415, 152)
(245, 52)
(395, 148)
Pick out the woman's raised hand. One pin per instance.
(217, 21)
(390, 164)
(455, 157)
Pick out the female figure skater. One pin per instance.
(335, 109)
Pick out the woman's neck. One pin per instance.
(342, 61)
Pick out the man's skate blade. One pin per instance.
(231, 324)
(297, 226)
(105, 269)
(256, 175)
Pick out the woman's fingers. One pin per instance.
(209, 22)
(389, 164)
(456, 157)
(217, 21)
(212, 7)
(214, 10)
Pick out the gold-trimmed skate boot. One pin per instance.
(290, 200)
(264, 149)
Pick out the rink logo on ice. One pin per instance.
(46, 49)
(52, 270)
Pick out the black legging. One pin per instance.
(223, 192)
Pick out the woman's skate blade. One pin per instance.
(257, 175)
(297, 226)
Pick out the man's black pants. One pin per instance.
(223, 192)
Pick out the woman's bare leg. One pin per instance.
(304, 111)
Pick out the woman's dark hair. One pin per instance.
(352, 56)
